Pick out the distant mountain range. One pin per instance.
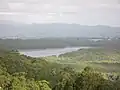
(10, 29)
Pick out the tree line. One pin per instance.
(20, 72)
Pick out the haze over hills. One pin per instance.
(10, 29)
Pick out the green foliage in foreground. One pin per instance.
(20, 72)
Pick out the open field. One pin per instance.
(100, 59)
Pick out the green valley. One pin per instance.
(85, 69)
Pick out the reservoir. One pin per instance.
(49, 51)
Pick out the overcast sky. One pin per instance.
(85, 12)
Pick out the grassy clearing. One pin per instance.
(100, 59)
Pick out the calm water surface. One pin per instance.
(49, 52)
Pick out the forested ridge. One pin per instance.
(44, 43)
(20, 72)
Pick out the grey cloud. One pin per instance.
(70, 11)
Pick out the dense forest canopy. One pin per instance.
(79, 70)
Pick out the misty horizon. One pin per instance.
(61, 18)
(12, 29)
